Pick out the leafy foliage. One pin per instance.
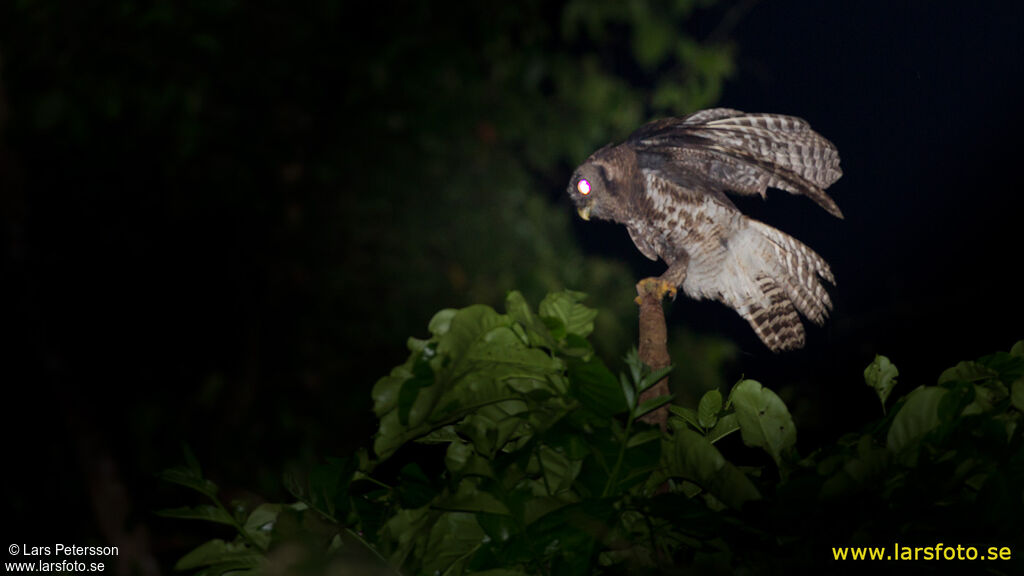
(507, 447)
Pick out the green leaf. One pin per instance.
(564, 537)
(1008, 366)
(536, 332)
(576, 346)
(918, 416)
(967, 372)
(535, 508)
(462, 460)
(407, 531)
(636, 366)
(262, 517)
(708, 408)
(565, 306)
(442, 435)
(652, 404)
(687, 414)
(498, 527)
(558, 469)
(491, 427)
(881, 376)
(452, 539)
(409, 391)
(441, 322)
(1017, 349)
(870, 464)
(596, 387)
(500, 354)
(220, 552)
(554, 326)
(414, 488)
(726, 425)
(628, 392)
(202, 512)
(385, 392)
(517, 308)
(643, 437)
(189, 478)
(467, 327)
(653, 378)
(694, 458)
(328, 485)
(959, 395)
(417, 345)
(1017, 395)
(390, 435)
(471, 498)
(260, 523)
(763, 418)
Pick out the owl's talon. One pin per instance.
(655, 286)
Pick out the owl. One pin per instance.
(666, 183)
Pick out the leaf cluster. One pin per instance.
(507, 447)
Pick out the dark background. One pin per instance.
(221, 221)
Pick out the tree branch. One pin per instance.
(653, 346)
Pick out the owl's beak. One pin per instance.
(584, 211)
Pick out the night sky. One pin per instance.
(923, 101)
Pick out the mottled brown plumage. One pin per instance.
(666, 183)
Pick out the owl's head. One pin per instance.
(604, 185)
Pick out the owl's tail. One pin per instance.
(780, 276)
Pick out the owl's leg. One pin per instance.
(667, 283)
(675, 275)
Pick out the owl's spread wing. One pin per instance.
(727, 149)
(767, 276)
(771, 278)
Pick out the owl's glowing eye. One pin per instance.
(583, 186)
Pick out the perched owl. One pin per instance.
(667, 184)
